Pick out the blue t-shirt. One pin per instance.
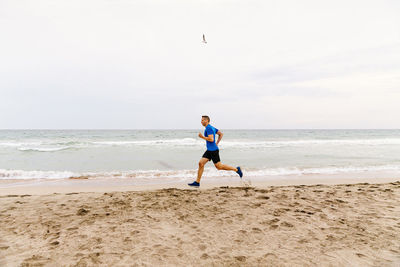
(210, 130)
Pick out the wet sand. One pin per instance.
(297, 225)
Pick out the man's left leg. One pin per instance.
(225, 167)
(217, 162)
(221, 166)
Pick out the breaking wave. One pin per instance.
(53, 146)
(189, 174)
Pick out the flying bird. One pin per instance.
(204, 39)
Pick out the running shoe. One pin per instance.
(194, 184)
(239, 171)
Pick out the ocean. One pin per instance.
(152, 156)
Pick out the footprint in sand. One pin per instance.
(279, 212)
(270, 256)
(35, 260)
(270, 222)
(256, 230)
(240, 258)
(204, 256)
(3, 247)
(287, 224)
(82, 211)
(302, 241)
(55, 243)
(264, 190)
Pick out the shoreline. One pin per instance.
(51, 186)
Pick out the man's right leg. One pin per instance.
(202, 163)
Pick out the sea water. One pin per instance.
(173, 155)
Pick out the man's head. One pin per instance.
(205, 120)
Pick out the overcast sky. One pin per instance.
(136, 64)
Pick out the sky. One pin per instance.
(119, 64)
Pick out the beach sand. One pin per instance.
(298, 225)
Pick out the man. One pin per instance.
(212, 152)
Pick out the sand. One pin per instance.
(313, 225)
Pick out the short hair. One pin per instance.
(206, 117)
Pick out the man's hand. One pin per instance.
(209, 138)
(220, 134)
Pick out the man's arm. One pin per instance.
(209, 138)
(220, 134)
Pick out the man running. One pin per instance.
(212, 152)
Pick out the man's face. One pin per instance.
(204, 121)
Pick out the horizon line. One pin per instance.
(188, 129)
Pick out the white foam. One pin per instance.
(186, 174)
(254, 143)
(19, 144)
(57, 145)
(20, 174)
(302, 143)
(157, 142)
(43, 149)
